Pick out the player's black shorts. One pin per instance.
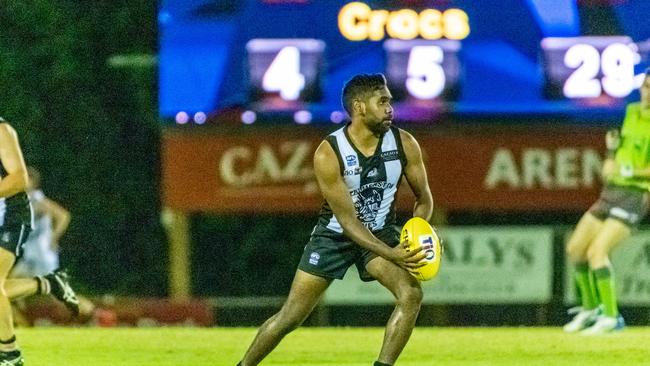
(12, 238)
(329, 254)
(626, 204)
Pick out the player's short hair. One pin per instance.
(360, 86)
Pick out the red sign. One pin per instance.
(554, 170)
(272, 172)
(251, 173)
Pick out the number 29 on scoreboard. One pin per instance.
(590, 67)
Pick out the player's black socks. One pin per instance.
(377, 363)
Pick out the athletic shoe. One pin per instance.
(605, 324)
(13, 358)
(583, 319)
(61, 290)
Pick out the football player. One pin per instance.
(358, 169)
(15, 225)
(622, 205)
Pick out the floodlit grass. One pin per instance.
(331, 347)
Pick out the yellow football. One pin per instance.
(417, 232)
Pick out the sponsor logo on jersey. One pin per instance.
(355, 171)
(390, 155)
(314, 258)
(351, 160)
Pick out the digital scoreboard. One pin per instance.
(285, 69)
(423, 70)
(287, 60)
(591, 67)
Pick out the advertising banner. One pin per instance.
(480, 265)
(247, 173)
(631, 262)
(271, 171)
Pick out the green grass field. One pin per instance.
(331, 347)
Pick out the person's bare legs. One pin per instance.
(17, 288)
(408, 294)
(578, 244)
(612, 233)
(306, 291)
(7, 335)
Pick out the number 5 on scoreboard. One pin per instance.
(425, 75)
(422, 70)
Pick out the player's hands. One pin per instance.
(612, 139)
(409, 260)
(626, 171)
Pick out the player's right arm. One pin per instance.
(611, 166)
(612, 142)
(335, 192)
(12, 159)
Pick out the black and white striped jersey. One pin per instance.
(15, 210)
(371, 180)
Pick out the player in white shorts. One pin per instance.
(41, 250)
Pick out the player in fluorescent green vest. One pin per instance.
(623, 203)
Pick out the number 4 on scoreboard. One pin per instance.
(283, 75)
(287, 69)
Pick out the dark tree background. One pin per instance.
(91, 127)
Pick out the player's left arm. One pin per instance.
(12, 159)
(60, 218)
(416, 176)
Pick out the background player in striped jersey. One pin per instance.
(40, 255)
(623, 203)
(15, 225)
(358, 169)
(51, 220)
